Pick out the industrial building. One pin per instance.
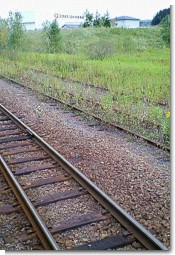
(125, 22)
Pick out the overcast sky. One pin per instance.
(45, 9)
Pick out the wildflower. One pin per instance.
(168, 115)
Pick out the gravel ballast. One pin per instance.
(135, 175)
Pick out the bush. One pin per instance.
(100, 50)
(52, 36)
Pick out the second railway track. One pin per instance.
(111, 124)
(66, 209)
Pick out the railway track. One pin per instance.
(65, 209)
(14, 225)
(119, 127)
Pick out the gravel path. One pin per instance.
(135, 175)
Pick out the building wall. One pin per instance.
(127, 23)
(28, 19)
(29, 26)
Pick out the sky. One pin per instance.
(45, 9)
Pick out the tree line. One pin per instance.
(160, 16)
(97, 20)
(12, 30)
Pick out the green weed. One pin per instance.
(132, 65)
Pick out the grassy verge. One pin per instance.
(136, 77)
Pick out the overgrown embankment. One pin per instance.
(121, 75)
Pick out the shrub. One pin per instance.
(52, 36)
(100, 50)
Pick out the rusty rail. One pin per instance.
(127, 131)
(43, 233)
(141, 234)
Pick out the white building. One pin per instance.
(29, 25)
(125, 22)
(28, 20)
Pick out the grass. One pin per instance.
(135, 73)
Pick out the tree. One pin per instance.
(159, 16)
(97, 22)
(11, 31)
(165, 29)
(16, 30)
(52, 35)
(105, 20)
(4, 33)
(88, 19)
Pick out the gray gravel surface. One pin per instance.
(135, 175)
(15, 225)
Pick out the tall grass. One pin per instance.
(135, 72)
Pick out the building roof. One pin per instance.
(125, 18)
(146, 21)
(72, 25)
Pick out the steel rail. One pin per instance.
(127, 131)
(141, 234)
(43, 233)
